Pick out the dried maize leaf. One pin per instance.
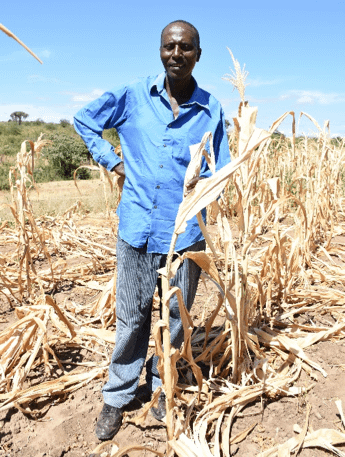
(324, 438)
(243, 435)
(187, 329)
(106, 335)
(122, 452)
(64, 384)
(339, 406)
(140, 418)
(207, 190)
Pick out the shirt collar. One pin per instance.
(198, 96)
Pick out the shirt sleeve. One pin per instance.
(220, 146)
(106, 112)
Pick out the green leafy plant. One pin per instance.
(64, 122)
(38, 122)
(66, 154)
(4, 173)
(112, 136)
(51, 126)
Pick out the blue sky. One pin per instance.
(293, 51)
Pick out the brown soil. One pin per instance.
(67, 427)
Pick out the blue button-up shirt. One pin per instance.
(156, 154)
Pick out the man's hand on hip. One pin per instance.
(120, 171)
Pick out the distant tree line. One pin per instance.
(19, 116)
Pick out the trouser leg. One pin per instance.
(186, 279)
(136, 282)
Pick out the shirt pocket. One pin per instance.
(181, 153)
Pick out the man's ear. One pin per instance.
(199, 54)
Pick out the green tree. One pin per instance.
(64, 122)
(66, 154)
(38, 122)
(17, 116)
(112, 136)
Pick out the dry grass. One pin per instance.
(281, 262)
(54, 198)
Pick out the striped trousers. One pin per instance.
(137, 278)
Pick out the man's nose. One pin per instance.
(177, 51)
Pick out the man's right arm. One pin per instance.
(106, 112)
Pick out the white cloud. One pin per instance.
(308, 97)
(45, 53)
(85, 97)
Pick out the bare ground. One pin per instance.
(67, 428)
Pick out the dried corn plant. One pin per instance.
(41, 254)
(28, 343)
(275, 259)
(37, 239)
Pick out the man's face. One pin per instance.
(179, 51)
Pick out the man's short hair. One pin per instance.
(197, 37)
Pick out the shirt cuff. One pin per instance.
(113, 169)
(113, 161)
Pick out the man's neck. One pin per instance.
(180, 90)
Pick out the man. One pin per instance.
(157, 119)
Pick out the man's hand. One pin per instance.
(120, 171)
(192, 183)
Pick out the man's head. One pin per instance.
(189, 25)
(180, 49)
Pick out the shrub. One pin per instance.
(112, 136)
(38, 122)
(51, 126)
(46, 173)
(4, 172)
(64, 122)
(13, 129)
(66, 154)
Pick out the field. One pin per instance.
(261, 368)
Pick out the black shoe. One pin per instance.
(159, 413)
(109, 422)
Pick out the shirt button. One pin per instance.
(169, 125)
(158, 187)
(155, 207)
(164, 145)
(160, 166)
